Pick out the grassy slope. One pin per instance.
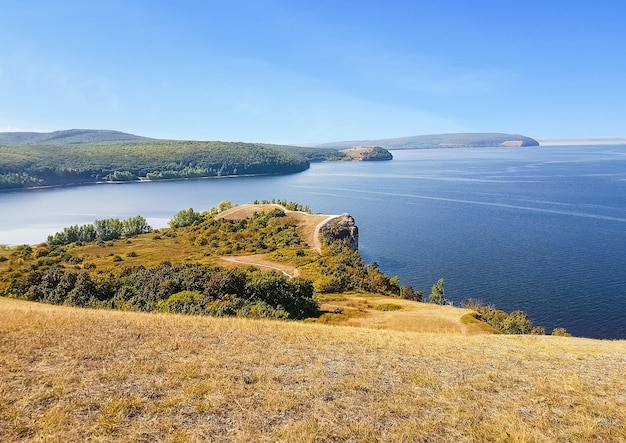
(402, 371)
(74, 375)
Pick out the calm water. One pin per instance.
(538, 229)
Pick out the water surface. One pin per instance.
(540, 229)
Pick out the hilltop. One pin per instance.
(460, 140)
(71, 374)
(71, 137)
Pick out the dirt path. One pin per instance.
(317, 241)
(260, 261)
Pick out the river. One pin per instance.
(541, 229)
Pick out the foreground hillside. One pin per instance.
(70, 374)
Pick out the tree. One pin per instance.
(108, 229)
(135, 226)
(224, 205)
(408, 293)
(186, 217)
(83, 291)
(437, 294)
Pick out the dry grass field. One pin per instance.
(69, 374)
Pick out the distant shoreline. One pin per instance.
(587, 141)
(142, 180)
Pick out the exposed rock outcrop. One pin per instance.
(367, 153)
(342, 228)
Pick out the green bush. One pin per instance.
(183, 302)
(260, 309)
(517, 322)
(561, 332)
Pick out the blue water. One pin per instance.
(538, 229)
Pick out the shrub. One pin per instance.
(561, 332)
(388, 307)
(260, 309)
(517, 322)
(23, 251)
(408, 293)
(183, 302)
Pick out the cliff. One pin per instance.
(342, 228)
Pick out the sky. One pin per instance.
(290, 71)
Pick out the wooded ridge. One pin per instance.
(88, 156)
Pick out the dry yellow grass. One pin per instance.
(362, 310)
(83, 375)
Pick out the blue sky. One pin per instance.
(279, 71)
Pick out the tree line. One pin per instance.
(185, 288)
(44, 165)
(100, 230)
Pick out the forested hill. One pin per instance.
(77, 156)
(70, 137)
(461, 140)
(29, 165)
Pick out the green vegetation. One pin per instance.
(85, 156)
(119, 264)
(408, 293)
(64, 271)
(437, 293)
(517, 322)
(561, 332)
(185, 289)
(101, 230)
(39, 165)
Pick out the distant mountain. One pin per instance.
(461, 140)
(70, 137)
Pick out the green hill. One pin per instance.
(79, 156)
(71, 136)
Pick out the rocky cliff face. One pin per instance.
(342, 228)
